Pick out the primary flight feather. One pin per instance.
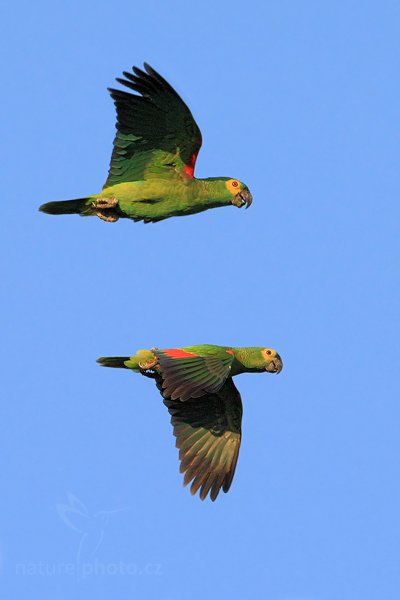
(151, 174)
(205, 406)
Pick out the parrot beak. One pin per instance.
(275, 365)
(242, 198)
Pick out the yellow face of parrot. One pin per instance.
(240, 193)
(273, 362)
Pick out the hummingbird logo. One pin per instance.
(90, 525)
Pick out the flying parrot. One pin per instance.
(205, 406)
(151, 174)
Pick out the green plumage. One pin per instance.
(151, 174)
(205, 406)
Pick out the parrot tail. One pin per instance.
(117, 362)
(65, 207)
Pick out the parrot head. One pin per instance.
(272, 361)
(231, 191)
(259, 359)
(239, 192)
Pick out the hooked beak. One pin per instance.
(242, 198)
(275, 365)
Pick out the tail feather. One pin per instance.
(65, 207)
(117, 362)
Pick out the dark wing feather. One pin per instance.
(208, 435)
(156, 132)
(192, 377)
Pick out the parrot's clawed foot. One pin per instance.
(105, 203)
(107, 215)
(104, 208)
(148, 364)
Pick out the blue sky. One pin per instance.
(300, 101)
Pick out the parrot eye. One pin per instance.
(268, 352)
(233, 185)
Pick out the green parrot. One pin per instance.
(151, 174)
(205, 406)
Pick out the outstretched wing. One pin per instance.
(156, 132)
(208, 435)
(187, 375)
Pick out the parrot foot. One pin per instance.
(105, 203)
(107, 215)
(104, 209)
(148, 364)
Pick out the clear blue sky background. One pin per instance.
(301, 101)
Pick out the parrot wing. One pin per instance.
(156, 132)
(208, 435)
(188, 375)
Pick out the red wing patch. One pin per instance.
(178, 353)
(189, 168)
(231, 352)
